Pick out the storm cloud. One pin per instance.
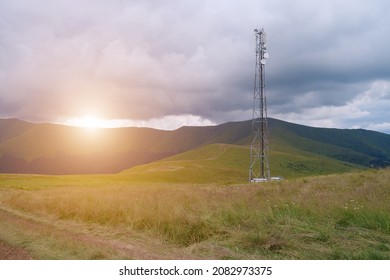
(194, 60)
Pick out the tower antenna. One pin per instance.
(259, 170)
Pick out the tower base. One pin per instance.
(262, 180)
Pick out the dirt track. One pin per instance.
(130, 249)
(8, 252)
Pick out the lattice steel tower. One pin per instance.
(259, 164)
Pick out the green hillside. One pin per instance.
(296, 150)
(227, 163)
(358, 146)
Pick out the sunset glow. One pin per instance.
(88, 121)
(165, 123)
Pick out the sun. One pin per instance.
(93, 121)
(87, 121)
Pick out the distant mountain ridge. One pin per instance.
(11, 128)
(59, 149)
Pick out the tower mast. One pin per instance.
(259, 165)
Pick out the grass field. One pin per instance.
(227, 164)
(344, 216)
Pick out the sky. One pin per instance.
(165, 64)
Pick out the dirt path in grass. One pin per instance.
(128, 245)
(8, 252)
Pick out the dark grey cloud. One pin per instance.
(144, 60)
(326, 58)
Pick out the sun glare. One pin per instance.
(88, 121)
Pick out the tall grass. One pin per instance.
(330, 217)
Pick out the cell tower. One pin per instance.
(259, 166)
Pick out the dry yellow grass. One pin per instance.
(309, 218)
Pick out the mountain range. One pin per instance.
(294, 149)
